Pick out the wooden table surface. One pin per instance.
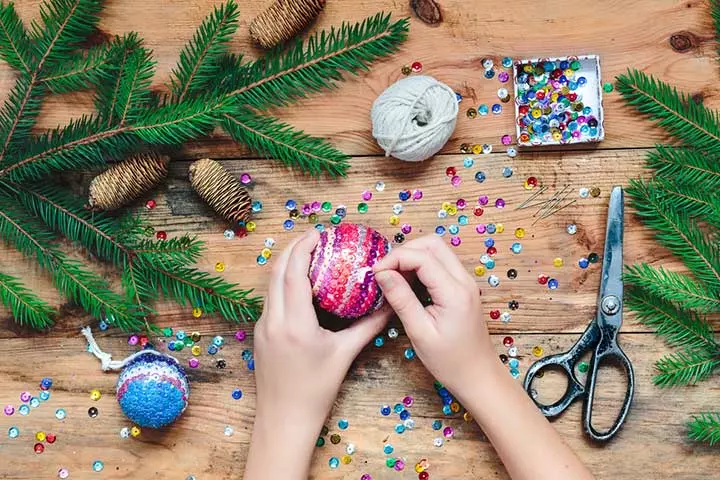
(624, 34)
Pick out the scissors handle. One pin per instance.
(565, 362)
(607, 351)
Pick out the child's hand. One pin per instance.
(300, 365)
(449, 336)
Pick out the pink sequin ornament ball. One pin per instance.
(341, 270)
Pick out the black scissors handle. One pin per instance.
(565, 362)
(607, 351)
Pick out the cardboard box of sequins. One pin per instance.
(558, 100)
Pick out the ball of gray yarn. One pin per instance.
(414, 118)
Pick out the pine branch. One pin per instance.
(199, 289)
(25, 307)
(81, 144)
(685, 166)
(679, 233)
(15, 46)
(284, 76)
(705, 427)
(199, 58)
(679, 327)
(686, 367)
(81, 71)
(275, 139)
(674, 287)
(688, 121)
(79, 285)
(183, 251)
(696, 200)
(19, 114)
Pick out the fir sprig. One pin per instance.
(15, 46)
(677, 232)
(705, 427)
(675, 287)
(25, 306)
(678, 326)
(276, 139)
(688, 121)
(685, 166)
(686, 367)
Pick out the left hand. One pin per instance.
(300, 365)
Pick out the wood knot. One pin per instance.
(697, 98)
(683, 41)
(427, 10)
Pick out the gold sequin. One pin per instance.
(197, 312)
(95, 394)
(595, 192)
(219, 267)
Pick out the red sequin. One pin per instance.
(494, 314)
(478, 211)
(543, 279)
(240, 231)
(39, 448)
(540, 94)
(523, 109)
(50, 438)
(161, 235)
(491, 251)
(532, 181)
(423, 475)
(416, 67)
(508, 341)
(450, 171)
(150, 204)
(572, 96)
(144, 340)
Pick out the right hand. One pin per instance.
(449, 336)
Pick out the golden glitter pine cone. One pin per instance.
(282, 20)
(125, 181)
(221, 190)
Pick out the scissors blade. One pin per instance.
(611, 283)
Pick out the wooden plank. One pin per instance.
(180, 211)
(451, 52)
(652, 442)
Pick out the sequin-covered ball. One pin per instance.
(152, 389)
(341, 270)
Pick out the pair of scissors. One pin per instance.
(600, 336)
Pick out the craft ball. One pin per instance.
(153, 390)
(341, 270)
(414, 118)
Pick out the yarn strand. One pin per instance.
(106, 361)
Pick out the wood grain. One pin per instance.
(672, 39)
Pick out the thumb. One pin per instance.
(402, 299)
(365, 329)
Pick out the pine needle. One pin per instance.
(685, 166)
(675, 287)
(686, 120)
(25, 307)
(15, 45)
(82, 70)
(278, 140)
(705, 427)
(678, 326)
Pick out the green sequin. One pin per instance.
(326, 206)
(335, 219)
(167, 332)
(390, 462)
(583, 367)
(362, 207)
(320, 442)
(593, 258)
(608, 87)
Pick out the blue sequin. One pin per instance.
(385, 410)
(399, 428)
(251, 364)
(453, 229)
(319, 227)
(516, 247)
(261, 260)
(334, 462)
(440, 230)
(257, 206)
(553, 284)
(289, 224)
(468, 162)
(13, 432)
(237, 394)
(291, 205)
(507, 172)
(514, 363)
(388, 449)
(44, 395)
(496, 108)
(483, 109)
(463, 220)
(46, 383)
(458, 97)
(583, 263)
(341, 212)
(480, 177)
(489, 73)
(447, 410)
(379, 341)
(490, 228)
(490, 264)
(212, 349)
(404, 195)
(343, 424)
(489, 242)
(404, 415)
(218, 341)
(515, 372)
(398, 407)
(24, 410)
(171, 346)
(103, 325)
(180, 335)
(246, 355)
(507, 62)
(436, 425)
